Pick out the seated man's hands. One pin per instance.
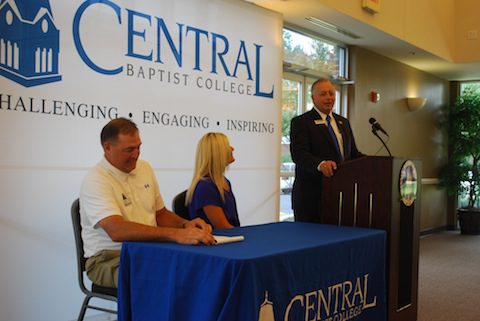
(199, 223)
(192, 234)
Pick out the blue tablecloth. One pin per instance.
(281, 271)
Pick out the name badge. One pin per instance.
(320, 122)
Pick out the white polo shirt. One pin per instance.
(107, 191)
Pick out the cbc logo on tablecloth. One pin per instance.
(29, 42)
(345, 300)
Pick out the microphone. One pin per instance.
(376, 126)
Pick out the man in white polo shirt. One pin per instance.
(120, 201)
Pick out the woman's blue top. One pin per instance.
(206, 193)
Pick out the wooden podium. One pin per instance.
(367, 192)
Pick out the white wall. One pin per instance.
(46, 150)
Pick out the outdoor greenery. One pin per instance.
(461, 175)
(313, 55)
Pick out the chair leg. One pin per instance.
(84, 308)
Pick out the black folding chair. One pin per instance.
(178, 205)
(96, 291)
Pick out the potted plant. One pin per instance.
(461, 174)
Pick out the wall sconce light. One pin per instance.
(374, 97)
(415, 103)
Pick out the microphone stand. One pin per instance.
(374, 131)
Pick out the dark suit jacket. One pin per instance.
(310, 144)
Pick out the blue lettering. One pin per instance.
(78, 41)
(198, 32)
(220, 55)
(131, 33)
(139, 27)
(176, 52)
(242, 50)
(257, 75)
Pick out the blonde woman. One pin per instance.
(210, 195)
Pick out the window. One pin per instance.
(292, 93)
(314, 56)
(470, 85)
(306, 58)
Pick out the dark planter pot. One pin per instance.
(469, 219)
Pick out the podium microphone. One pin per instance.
(376, 126)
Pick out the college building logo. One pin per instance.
(265, 312)
(29, 42)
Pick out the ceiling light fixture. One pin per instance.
(330, 27)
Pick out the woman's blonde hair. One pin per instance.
(211, 160)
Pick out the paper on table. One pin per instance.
(221, 239)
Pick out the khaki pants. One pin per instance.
(102, 268)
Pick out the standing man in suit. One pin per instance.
(319, 141)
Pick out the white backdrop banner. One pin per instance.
(178, 68)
